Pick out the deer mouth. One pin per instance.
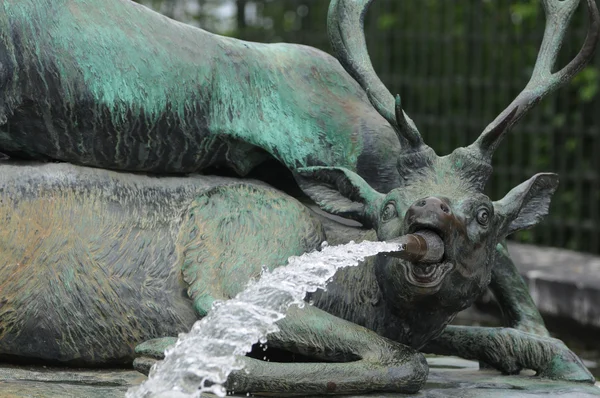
(427, 275)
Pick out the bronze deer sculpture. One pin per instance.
(384, 312)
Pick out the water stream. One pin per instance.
(202, 359)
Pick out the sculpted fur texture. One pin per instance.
(95, 262)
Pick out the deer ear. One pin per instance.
(341, 192)
(526, 204)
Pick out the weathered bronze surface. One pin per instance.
(112, 84)
(95, 262)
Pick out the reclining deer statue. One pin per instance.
(97, 262)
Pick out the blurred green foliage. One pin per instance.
(457, 65)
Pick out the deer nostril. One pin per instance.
(444, 208)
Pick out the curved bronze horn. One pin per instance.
(543, 81)
(346, 32)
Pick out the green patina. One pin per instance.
(281, 98)
(114, 85)
(222, 231)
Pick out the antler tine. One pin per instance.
(346, 32)
(543, 81)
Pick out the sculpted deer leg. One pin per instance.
(348, 359)
(524, 343)
(149, 352)
(357, 359)
(518, 309)
(511, 292)
(510, 350)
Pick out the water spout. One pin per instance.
(202, 359)
(422, 246)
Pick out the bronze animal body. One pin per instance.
(114, 259)
(115, 85)
(351, 148)
(95, 262)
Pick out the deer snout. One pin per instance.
(432, 204)
(429, 213)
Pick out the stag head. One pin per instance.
(442, 194)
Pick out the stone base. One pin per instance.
(51, 382)
(449, 377)
(453, 377)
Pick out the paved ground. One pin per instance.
(449, 377)
(46, 382)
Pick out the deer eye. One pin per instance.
(389, 212)
(483, 216)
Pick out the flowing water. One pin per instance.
(201, 359)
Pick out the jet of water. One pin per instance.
(202, 359)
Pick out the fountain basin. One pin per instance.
(448, 377)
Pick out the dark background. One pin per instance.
(457, 64)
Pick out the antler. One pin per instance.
(543, 81)
(346, 33)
